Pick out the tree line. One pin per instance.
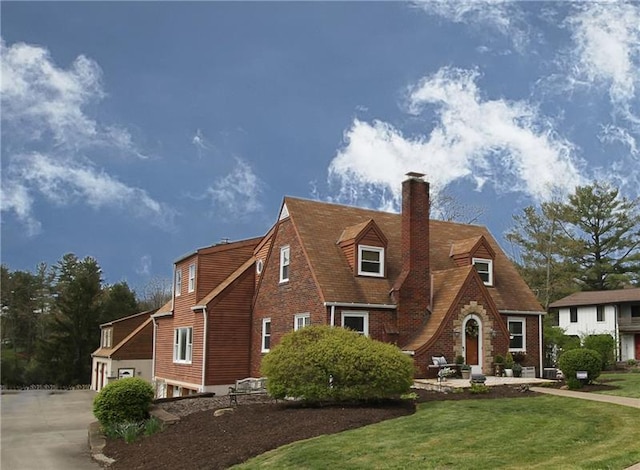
(589, 242)
(50, 318)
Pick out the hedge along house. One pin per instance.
(202, 337)
(431, 287)
(126, 350)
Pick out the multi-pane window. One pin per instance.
(182, 344)
(301, 320)
(517, 334)
(285, 253)
(107, 337)
(178, 284)
(266, 334)
(356, 321)
(485, 270)
(370, 261)
(192, 277)
(573, 314)
(600, 313)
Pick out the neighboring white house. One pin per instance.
(614, 312)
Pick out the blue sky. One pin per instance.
(137, 132)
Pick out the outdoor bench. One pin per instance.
(248, 386)
(439, 363)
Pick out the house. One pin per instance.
(126, 350)
(431, 287)
(202, 337)
(614, 312)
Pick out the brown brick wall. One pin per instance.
(281, 302)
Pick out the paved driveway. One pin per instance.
(46, 430)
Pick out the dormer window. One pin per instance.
(485, 270)
(370, 261)
(107, 336)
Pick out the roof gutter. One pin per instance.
(360, 305)
(162, 314)
(520, 312)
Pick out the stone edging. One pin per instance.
(97, 440)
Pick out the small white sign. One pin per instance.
(582, 374)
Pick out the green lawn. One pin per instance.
(629, 384)
(534, 432)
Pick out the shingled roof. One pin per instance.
(600, 297)
(320, 225)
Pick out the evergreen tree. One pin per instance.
(602, 237)
(74, 325)
(117, 301)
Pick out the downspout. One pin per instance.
(541, 344)
(333, 315)
(617, 333)
(153, 354)
(204, 344)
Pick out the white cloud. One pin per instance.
(502, 16)
(238, 193)
(201, 143)
(507, 144)
(144, 265)
(612, 134)
(69, 182)
(49, 138)
(607, 52)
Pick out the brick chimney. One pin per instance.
(412, 288)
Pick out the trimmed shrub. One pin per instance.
(605, 345)
(580, 359)
(125, 400)
(321, 363)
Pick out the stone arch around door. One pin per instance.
(485, 338)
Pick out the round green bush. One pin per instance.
(580, 360)
(124, 400)
(321, 363)
(605, 345)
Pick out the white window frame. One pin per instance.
(285, 262)
(177, 285)
(107, 337)
(365, 323)
(489, 272)
(192, 277)
(301, 320)
(178, 339)
(523, 321)
(265, 335)
(377, 249)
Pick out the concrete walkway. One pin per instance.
(624, 401)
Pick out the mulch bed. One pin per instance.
(201, 441)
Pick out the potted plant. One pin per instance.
(508, 365)
(498, 361)
(517, 370)
(465, 369)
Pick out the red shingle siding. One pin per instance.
(165, 367)
(229, 340)
(215, 264)
(281, 302)
(122, 328)
(138, 347)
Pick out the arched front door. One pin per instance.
(472, 342)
